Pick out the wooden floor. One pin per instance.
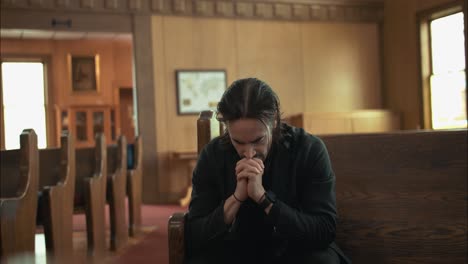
(149, 246)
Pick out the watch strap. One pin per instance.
(269, 199)
(265, 203)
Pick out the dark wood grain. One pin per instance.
(57, 185)
(91, 176)
(134, 188)
(117, 180)
(176, 229)
(401, 196)
(18, 213)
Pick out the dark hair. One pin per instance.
(250, 98)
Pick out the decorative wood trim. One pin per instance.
(305, 10)
(204, 8)
(36, 2)
(225, 9)
(283, 11)
(87, 4)
(134, 5)
(244, 9)
(62, 3)
(111, 4)
(263, 10)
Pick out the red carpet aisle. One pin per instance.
(153, 247)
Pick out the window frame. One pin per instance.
(424, 19)
(49, 118)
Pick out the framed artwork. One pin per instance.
(199, 90)
(84, 73)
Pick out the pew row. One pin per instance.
(18, 196)
(207, 128)
(90, 193)
(134, 181)
(116, 192)
(401, 197)
(57, 188)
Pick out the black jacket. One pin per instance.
(297, 171)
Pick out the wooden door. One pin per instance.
(127, 124)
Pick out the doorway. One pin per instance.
(126, 113)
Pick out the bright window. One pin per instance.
(448, 79)
(23, 101)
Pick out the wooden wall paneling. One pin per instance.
(161, 103)
(260, 51)
(123, 63)
(161, 88)
(186, 43)
(360, 121)
(341, 67)
(336, 125)
(177, 36)
(374, 121)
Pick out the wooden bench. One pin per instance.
(57, 187)
(116, 192)
(401, 197)
(134, 181)
(207, 129)
(18, 196)
(90, 193)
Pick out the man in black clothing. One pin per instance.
(264, 192)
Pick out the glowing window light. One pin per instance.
(448, 82)
(23, 101)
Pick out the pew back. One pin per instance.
(18, 207)
(401, 196)
(207, 128)
(91, 176)
(134, 181)
(117, 181)
(57, 186)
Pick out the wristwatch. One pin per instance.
(270, 198)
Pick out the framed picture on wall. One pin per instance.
(199, 90)
(84, 73)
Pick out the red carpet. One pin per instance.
(153, 247)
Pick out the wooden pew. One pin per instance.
(116, 192)
(57, 186)
(18, 196)
(401, 196)
(134, 181)
(207, 129)
(90, 193)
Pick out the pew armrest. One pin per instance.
(176, 229)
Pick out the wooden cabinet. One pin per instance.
(85, 121)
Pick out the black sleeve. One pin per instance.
(314, 221)
(205, 222)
